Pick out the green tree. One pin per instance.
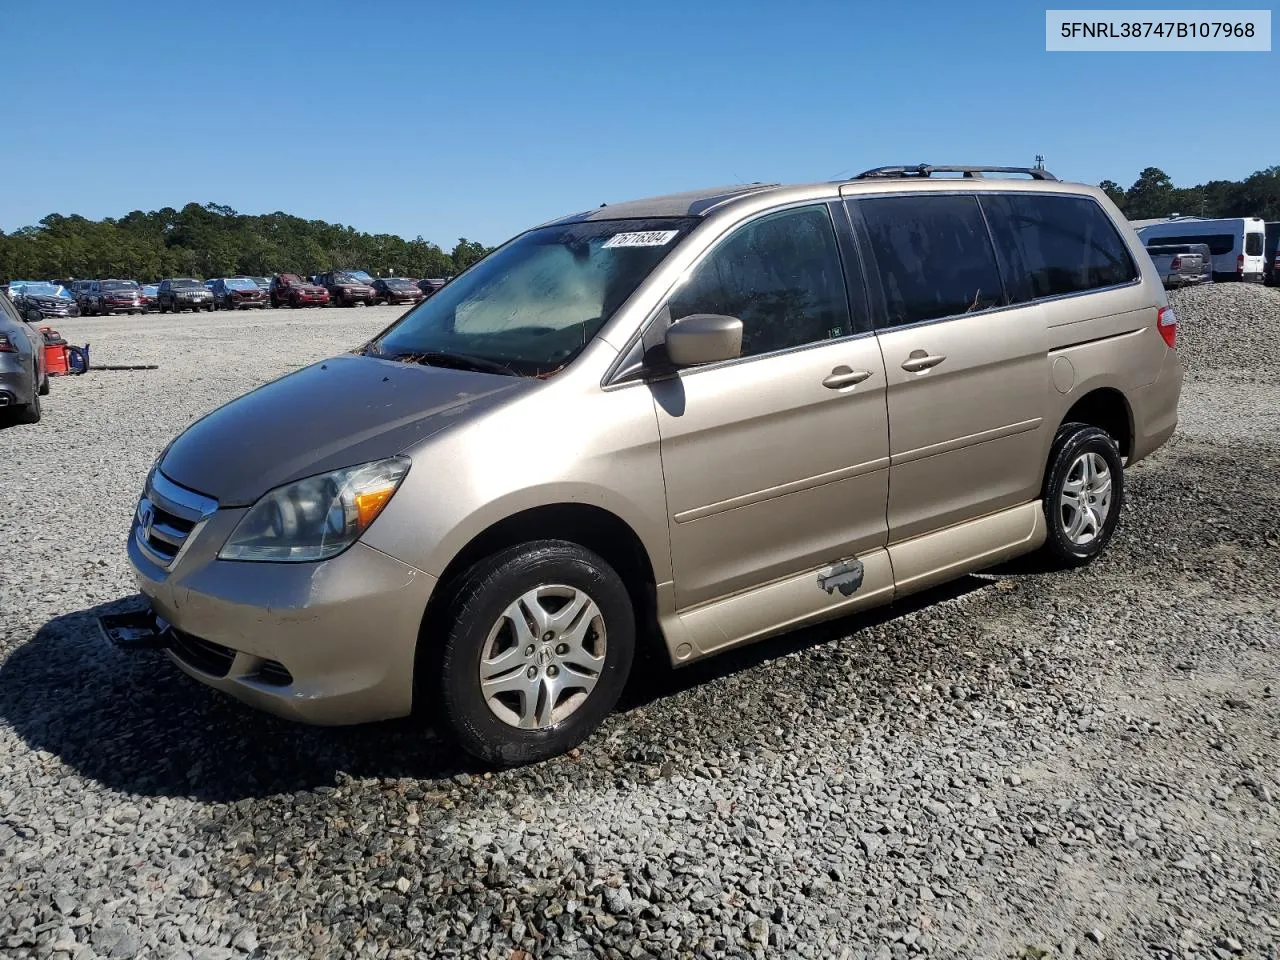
(1150, 196)
(1114, 191)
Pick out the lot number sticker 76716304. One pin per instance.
(647, 238)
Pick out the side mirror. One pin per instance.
(703, 338)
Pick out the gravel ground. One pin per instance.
(1021, 765)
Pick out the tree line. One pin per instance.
(216, 241)
(1153, 195)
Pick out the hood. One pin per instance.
(337, 413)
(47, 300)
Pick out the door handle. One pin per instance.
(842, 376)
(919, 360)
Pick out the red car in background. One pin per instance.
(291, 289)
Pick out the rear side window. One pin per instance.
(1054, 245)
(1253, 244)
(780, 275)
(933, 257)
(1219, 244)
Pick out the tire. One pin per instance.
(30, 412)
(1081, 506)
(550, 572)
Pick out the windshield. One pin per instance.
(396, 284)
(358, 276)
(151, 289)
(119, 285)
(534, 304)
(240, 283)
(40, 289)
(185, 284)
(347, 277)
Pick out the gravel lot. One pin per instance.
(1021, 765)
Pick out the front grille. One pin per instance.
(167, 518)
(203, 655)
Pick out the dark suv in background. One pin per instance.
(183, 293)
(235, 293)
(292, 289)
(430, 285)
(111, 296)
(397, 290)
(346, 289)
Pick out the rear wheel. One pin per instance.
(539, 643)
(1083, 494)
(30, 412)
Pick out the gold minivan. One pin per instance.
(693, 421)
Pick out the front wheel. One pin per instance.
(1083, 494)
(539, 643)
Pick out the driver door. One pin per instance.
(776, 462)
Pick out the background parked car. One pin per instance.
(22, 375)
(1182, 264)
(397, 290)
(346, 289)
(291, 289)
(235, 293)
(183, 293)
(430, 285)
(105, 297)
(149, 293)
(263, 282)
(37, 300)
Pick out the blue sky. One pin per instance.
(479, 119)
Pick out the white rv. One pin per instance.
(1236, 243)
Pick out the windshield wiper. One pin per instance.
(441, 358)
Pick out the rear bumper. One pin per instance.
(324, 643)
(1155, 409)
(15, 381)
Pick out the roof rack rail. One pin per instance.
(970, 173)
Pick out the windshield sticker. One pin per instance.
(647, 238)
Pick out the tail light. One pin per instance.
(6, 345)
(1240, 264)
(1177, 264)
(1167, 324)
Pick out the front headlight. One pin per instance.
(315, 518)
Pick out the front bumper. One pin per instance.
(344, 630)
(59, 312)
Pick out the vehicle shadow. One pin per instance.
(135, 723)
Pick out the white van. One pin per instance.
(1236, 243)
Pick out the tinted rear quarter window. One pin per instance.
(932, 255)
(1051, 245)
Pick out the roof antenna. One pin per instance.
(604, 204)
(1039, 161)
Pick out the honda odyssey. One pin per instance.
(693, 421)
